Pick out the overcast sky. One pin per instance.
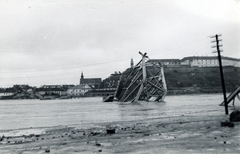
(53, 41)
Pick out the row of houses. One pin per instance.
(26, 91)
(86, 87)
(45, 92)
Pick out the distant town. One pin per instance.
(195, 74)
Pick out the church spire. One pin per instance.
(82, 75)
(81, 79)
(131, 64)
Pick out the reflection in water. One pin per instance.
(142, 110)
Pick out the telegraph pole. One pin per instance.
(221, 69)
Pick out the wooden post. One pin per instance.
(221, 74)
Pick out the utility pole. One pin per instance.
(221, 69)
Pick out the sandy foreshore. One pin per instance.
(179, 134)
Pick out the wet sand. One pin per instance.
(179, 134)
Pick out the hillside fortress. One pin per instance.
(199, 61)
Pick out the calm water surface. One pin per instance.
(15, 114)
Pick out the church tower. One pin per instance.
(131, 64)
(81, 79)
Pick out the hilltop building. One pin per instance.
(108, 86)
(210, 61)
(197, 61)
(165, 62)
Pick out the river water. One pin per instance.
(18, 114)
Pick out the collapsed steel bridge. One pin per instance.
(144, 82)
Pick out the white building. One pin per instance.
(209, 61)
(7, 92)
(79, 90)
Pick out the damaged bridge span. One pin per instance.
(144, 82)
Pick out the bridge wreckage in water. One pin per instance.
(144, 82)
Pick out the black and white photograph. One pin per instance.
(119, 76)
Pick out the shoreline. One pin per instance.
(187, 127)
(176, 92)
(178, 134)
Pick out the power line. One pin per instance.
(172, 48)
(62, 75)
(176, 48)
(65, 67)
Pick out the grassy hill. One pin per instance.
(182, 80)
(202, 79)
